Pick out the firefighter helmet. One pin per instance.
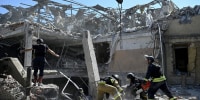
(130, 75)
(40, 41)
(151, 58)
(115, 76)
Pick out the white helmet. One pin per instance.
(151, 58)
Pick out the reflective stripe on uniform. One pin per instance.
(161, 78)
(120, 90)
(117, 96)
(112, 81)
(174, 98)
(145, 79)
(101, 82)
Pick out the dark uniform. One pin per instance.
(158, 79)
(40, 50)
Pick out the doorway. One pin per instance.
(181, 59)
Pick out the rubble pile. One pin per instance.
(187, 92)
(10, 89)
(182, 93)
(186, 13)
(45, 92)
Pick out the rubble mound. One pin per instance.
(45, 92)
(10, 89)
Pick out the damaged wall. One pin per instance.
(129, 55)
(130, 60)
(180, 36)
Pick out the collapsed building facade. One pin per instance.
(120, 37)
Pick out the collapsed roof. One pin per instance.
(66, 22)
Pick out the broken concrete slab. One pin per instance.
(45, 92)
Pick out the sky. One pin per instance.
(105, 3)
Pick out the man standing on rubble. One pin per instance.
(40, 50)
(158, 80)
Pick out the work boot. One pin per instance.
(35, 81)
(40, 81)
(34, 84)
(40, 84)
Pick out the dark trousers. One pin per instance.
(158, 85)
(38, 64)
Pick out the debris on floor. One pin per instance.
(45, 92)
(10, 89)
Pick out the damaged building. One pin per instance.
(121, 38)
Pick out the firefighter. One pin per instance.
(131, 78)
(110, 86)
(135, 87)
(158, 80)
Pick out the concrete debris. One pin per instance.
(51, 21)
(186, 14)
(10, 89)
(82, 19)
(97, 19)
(72, 62)
(197, 9)
(45, 92)
(182, 93)
(99, 7)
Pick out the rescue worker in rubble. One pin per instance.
(110, 86)
(135, 87)
(158, 80)
(40, 50)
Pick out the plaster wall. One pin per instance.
(135, 41)
(130, 61)
(129, 54)
(184, 29)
